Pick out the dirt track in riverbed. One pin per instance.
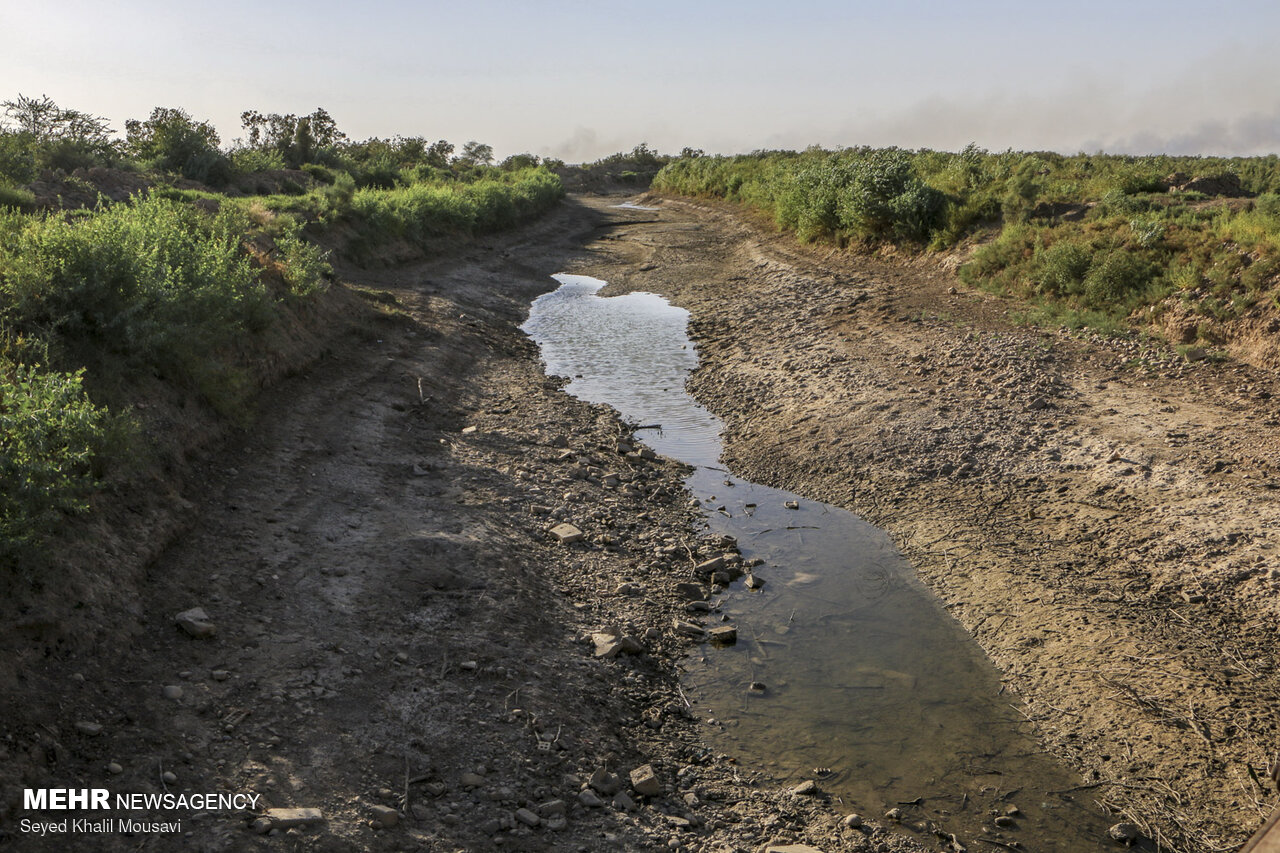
(1100, 514)
(397, 637)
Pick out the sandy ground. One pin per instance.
(1099, 514)
(398, 643)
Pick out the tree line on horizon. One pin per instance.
(36, 134)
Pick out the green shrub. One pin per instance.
(17, 157)
(247, 161)
(319, 173)
(1063, 267)
(155, 282)
(18, 197)
(50, 434)
(1115, 278)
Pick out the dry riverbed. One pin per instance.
(392, 648)
(1099, 513)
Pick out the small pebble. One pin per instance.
(172, 691)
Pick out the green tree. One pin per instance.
(173, 141)
(476, 154)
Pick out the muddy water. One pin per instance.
(870, 687)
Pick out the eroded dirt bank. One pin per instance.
(397, 641)
(1099, 514)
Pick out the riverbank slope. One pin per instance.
(1098, 512)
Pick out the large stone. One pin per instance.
(605, 782)
(708, 566)
(384, 816)
(196, 623)
(290, 818)
(645, 781)
(692, 591)
(1127, 833)
(607, 645)
(725, 635)
(527, 817)
(688, 629)
(552, 808)
(566, 533)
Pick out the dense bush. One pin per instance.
(1086, 235)
(425, 210)
(50, 434)
(156, 283)
(171, 140)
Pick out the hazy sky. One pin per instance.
(583, 79)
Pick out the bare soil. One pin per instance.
(1099, 513)
(399, 642)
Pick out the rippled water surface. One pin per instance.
(871, 687)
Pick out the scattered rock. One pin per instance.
(623, 803)
(87, 728)
(196, 623)
(551, 808)
(172, 691)
(169, 777)
(692, 591)
(706, 567)
(645, 782)
(853, 821)
(220, 675)
(557, 823)
(261, 825)
(791, 848)
(384, 816)
(688, 629)
(753, 582)
(894, 813)
(1126, 833)
(805, 789)
(471, 780)
(1004, 820)
(527, 817)
(589, 799)
(566, 533)
(791, 504)
(628, 589)
(605, 782)
(289, 818)
(726, 635)
(114, 768)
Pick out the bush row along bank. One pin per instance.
(95, 305)
(1098, 240)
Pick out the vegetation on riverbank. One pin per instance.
(184, 280)
(1099, 240)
